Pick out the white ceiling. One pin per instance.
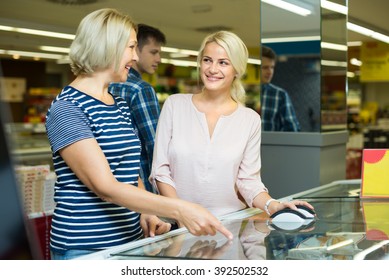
(178, 19)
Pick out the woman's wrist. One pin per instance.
(270, 206)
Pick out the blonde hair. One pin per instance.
(238, 55)
(100, 41)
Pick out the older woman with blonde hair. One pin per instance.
(96, 151)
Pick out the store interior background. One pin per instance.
(360, 104)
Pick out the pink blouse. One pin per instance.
(203, 169)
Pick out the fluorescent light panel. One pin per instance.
(178, 62)
(288, 7)
(254, 61)
(37, 32)
(333, 63)
(367, 32)
(334, 7)
(32, 54)
(291, 39)
(332, 46)
(354, 44)
(54, 49)
(356, 62)
(182, 51)
(325, 45)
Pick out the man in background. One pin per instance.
(277, 111)
(140, 95)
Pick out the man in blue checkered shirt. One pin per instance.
(277, 111)
(141, 97)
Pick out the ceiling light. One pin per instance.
(54, 49)
(332, 46)
(288, 7)
(254, 61)
(334, 7)
(32, 54)
(290, 39)
(380, 37)
(189, 52)
(37, 32)
(63, 61)
(178, 55)
(324, 45)
(178, 62)
(359, 29)
(182, 51)
(356, 62)
(354, 44)
(190, 63)
(367, 32)
(168, 49)
(334, 63)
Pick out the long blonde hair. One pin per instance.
(238, 55)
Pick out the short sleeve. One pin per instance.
(66, 124)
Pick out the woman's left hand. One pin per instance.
(152, 225)
(290, 204)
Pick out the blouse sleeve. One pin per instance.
(249, 180)
(253, 242)
(161, 167)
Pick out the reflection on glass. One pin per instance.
(312, 53)
(340, 232)
(339, 246)
(375, 215)
(296, 41)
(335, 191)
(334, 69)
(248, 243)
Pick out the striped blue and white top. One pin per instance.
(82, 220)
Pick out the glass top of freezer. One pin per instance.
(345, 228)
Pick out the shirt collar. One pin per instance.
(265, 86)
(135, 73)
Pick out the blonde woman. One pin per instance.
(207, 148)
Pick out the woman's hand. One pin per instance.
(276, 206)
(207, 249)
(156, 248)
(152, 225)
(199, 221)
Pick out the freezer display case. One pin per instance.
(29, 143)
(345, 228)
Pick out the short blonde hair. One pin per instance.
(238, 55)
(100, 41)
